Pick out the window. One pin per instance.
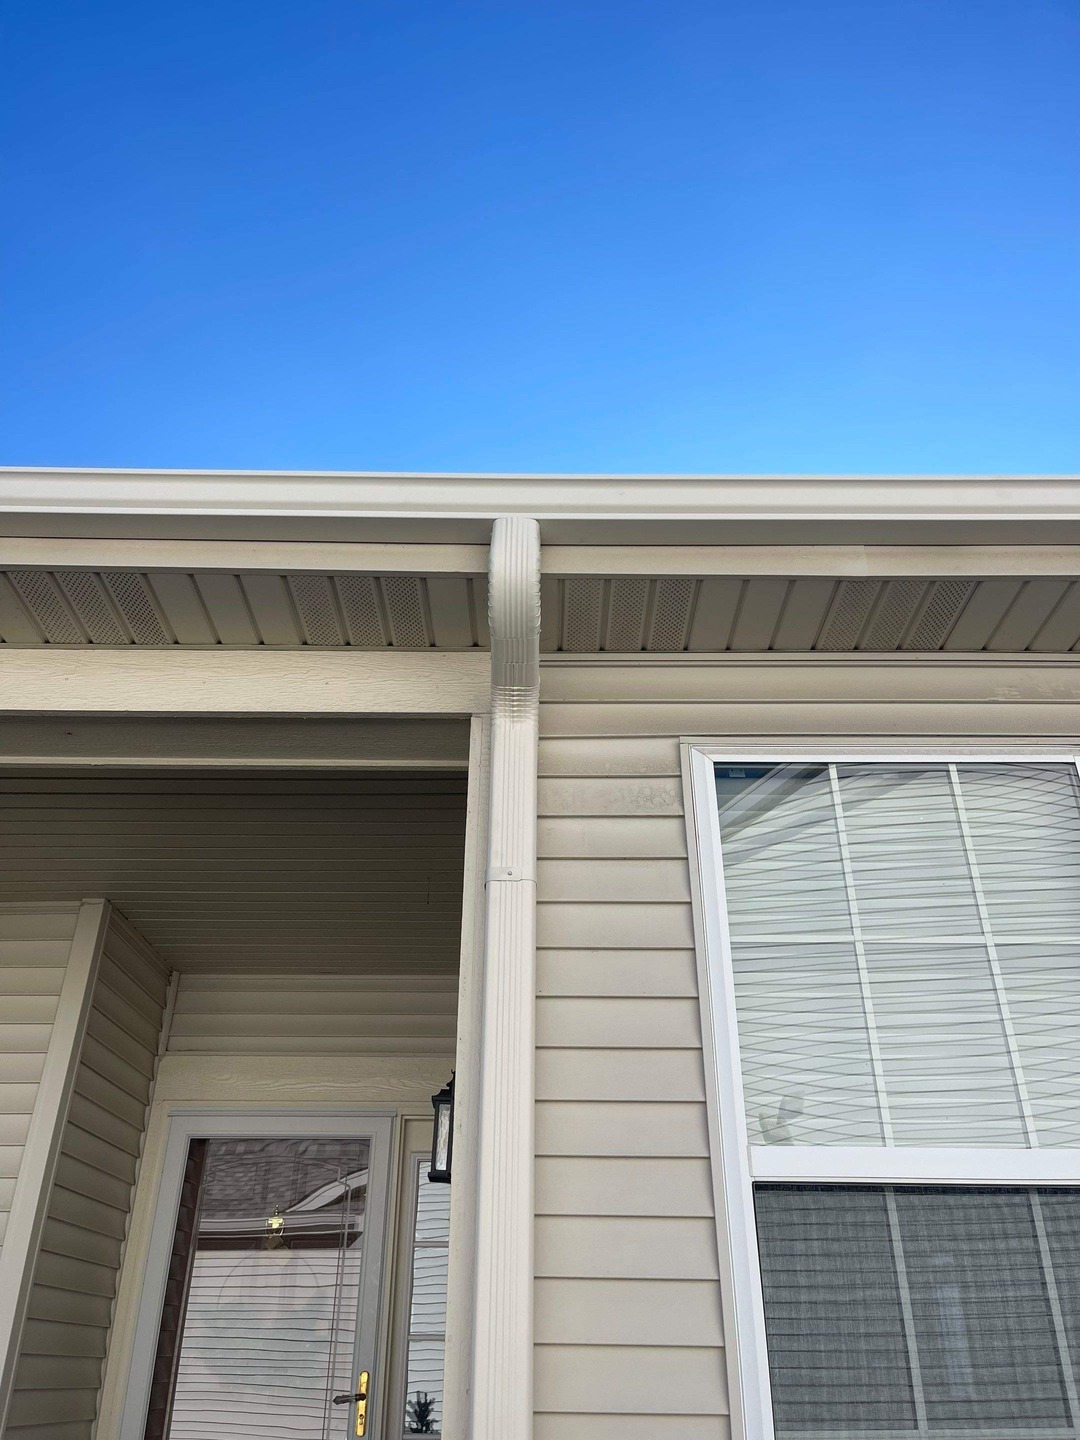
(892, 973)
(426, 1339)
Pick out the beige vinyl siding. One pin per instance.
(628, 1324)
(34, 946)
(299, 1014)
(58, 1375)
(628, 1321)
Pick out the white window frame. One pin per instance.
(736, 1164)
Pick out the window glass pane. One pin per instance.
(427, 1306)
(906, 951)
(1025, 826)
(424, 1388)
(944, 1055)
(1042, 981)
(936, 1311)
(270, 1312)
(838, 1357)
(807, 1072)
(428, 1314)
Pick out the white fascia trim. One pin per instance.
(614, 509)
(502, 1360)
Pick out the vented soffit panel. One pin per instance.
(587, 614)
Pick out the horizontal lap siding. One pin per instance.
(274, 1014)
(65, 1338)
(628, 1300)
(628, 1324)
(34, 947)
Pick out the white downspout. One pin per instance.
(503, 1296)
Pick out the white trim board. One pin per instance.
(572, 509)
(244, 682)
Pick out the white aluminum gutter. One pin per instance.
(501, 1386)
(571, 509)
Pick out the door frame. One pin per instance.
(190, 1122)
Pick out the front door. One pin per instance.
(271, 1298)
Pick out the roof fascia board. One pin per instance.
(572, 509)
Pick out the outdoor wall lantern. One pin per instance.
(442, 1145)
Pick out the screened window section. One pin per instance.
(904, 949)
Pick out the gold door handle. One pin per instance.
(360, 1399)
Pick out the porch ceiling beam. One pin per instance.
(501, 1388)
(243, 682)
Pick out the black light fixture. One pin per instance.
(442, 1145)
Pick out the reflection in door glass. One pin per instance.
(267, 1318)
(427, 1307)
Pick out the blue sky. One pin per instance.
(604, 235)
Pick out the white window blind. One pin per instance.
(905, 945)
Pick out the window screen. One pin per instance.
(937, 1311)
(905, 942)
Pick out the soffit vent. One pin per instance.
(137, 607)
(943, 607)
(892, 615)
(672, 608)
(584, 615)
(88, 597)
(314, 596)
(849, 614)
(41, 596)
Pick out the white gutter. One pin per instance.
(501, 1386)
(573, 509)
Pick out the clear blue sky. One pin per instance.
(641, 235)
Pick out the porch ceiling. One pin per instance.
(359, 873)
(582, 614)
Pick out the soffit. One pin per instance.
(582, 614)
(358, 873)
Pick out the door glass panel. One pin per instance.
(270, 1321)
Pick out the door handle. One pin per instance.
(360, 1400)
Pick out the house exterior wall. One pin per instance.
(63, 1341)
(629, 1333)
(35, 942)
(270, 1013)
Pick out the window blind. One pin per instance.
(905, 942)
(931, 1311)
